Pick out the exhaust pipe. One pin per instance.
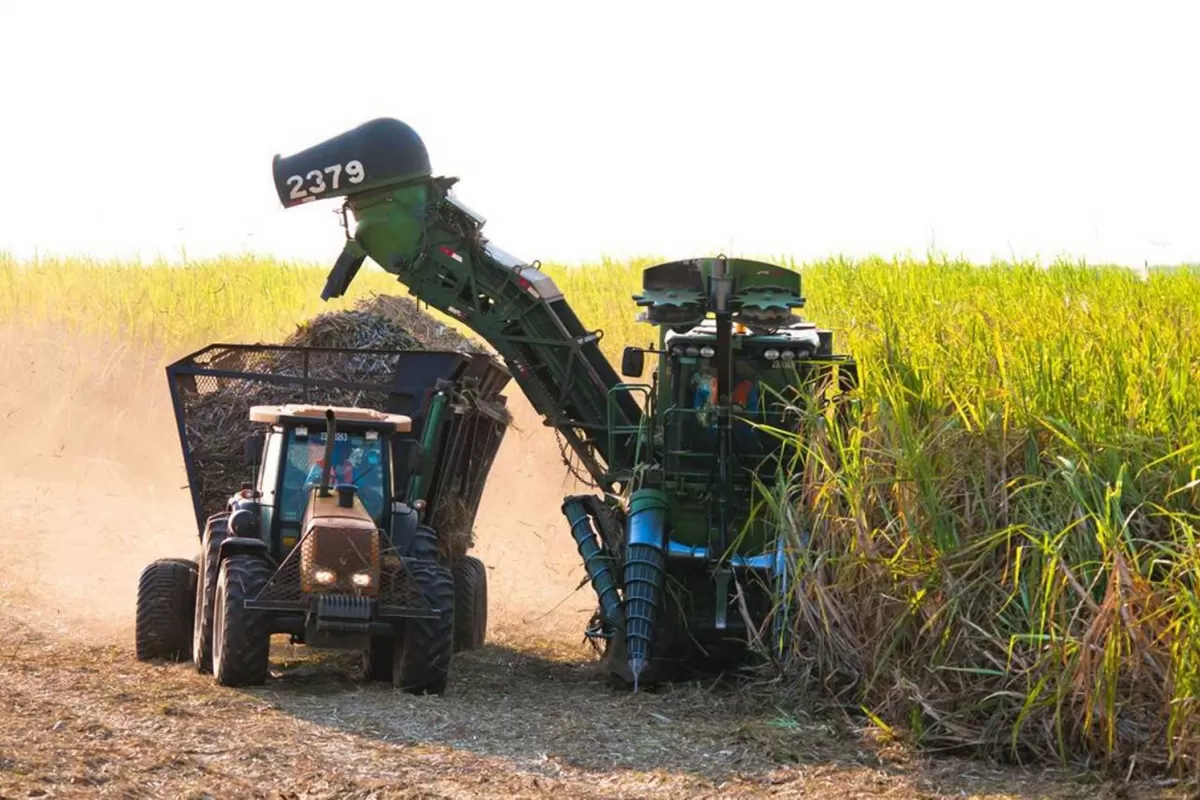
(645, 575)
(327, 469)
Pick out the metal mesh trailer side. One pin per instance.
(213, 389)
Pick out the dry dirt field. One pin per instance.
(93, 491)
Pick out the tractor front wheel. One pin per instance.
(470, 603)
(421, 657)
(166, 592)
(241, 636)
(206, 585)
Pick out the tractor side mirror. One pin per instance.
(633, 361)
(253, 449)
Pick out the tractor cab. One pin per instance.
(296, 454)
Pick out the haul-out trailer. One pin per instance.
(334, 491)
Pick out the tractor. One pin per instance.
(334, 539)
(686, 568)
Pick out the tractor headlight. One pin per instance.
(692, 352)
(324, 576)
(787, 355)
(771, 355)
(361, 579)
(707, 352)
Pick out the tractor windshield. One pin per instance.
(357, 460)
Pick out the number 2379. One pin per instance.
(317, 183)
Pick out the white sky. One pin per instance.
(672, 129)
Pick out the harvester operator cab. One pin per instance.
(701, 404)
(763, 386)
(744, 397)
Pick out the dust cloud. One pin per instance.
(95, 489)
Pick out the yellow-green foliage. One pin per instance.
(175, 307)
(1001, 551)
(170, 308)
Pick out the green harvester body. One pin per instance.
(688, 561)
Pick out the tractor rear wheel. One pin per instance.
(423, 545)
(215, 532)
(421, 657)
(470, 603)
(166, 593)
(241, 636)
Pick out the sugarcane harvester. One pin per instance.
(685, 569)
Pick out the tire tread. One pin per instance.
(163, 628)
(470, 603)
(423, 656)
(242, 656)
(215, 532)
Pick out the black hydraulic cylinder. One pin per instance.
(724, 431)
(721, 290)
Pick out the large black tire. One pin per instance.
(470, 603)
(165, 596)
(421, 657)
(241, 636)
(215, 532)
(422, 545)
(379, 659)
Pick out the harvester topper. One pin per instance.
(686, 570)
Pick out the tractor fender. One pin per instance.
(403, 527)
(217, 523)
(244, 546)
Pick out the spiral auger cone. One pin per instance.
(645, 576)
(643, 599)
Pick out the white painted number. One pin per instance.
(319, 177)
(334, 172)
(297, 184)
(316, 179)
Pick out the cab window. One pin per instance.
(357, 459)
